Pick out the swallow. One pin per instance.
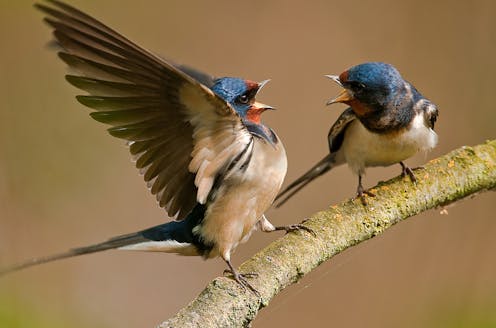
(387, 122)
(198, 141)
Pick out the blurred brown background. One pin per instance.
(64, 182)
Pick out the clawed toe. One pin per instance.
(244, 275)
(405, 170)
(249, 275)
(361, 194)
(410, 173)
(296, 227)
(369, 193)
(240, 278)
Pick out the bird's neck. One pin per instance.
(395, 114)
(261, 131)
(386, 122)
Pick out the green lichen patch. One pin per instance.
(460, 173)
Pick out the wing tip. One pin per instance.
(74, 80)
(90, 101)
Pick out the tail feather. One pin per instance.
(173, 237)
(112, 243)
(316, 171)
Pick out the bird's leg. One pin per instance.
(241, 277)
(406, 170)
(266, 226)
(361, 191)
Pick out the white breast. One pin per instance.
(362, 148)
(244, 197)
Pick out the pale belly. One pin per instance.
(362, 148)
(243, 199)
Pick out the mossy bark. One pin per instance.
(461, 173)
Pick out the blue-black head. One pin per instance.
(240, 94)
(369, 87)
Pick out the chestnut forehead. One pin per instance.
(251, 85)
(343, 77)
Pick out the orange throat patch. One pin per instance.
(358, 107)
(254, 115)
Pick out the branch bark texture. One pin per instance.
(459, 174)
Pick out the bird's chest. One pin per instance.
(362, 148)
(259, 184)
(245, 196)
(266, 170)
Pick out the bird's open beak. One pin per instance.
(262, 84)
(343, 97)
(258, 106)
(335, 78)
(262, 107)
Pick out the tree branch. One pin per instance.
(459, 174)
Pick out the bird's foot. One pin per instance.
(405, 170)
(296, 227)
(244, 275)
(361, 194)
(240, 278)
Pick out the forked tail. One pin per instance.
(171, 237)
(316, 171)
(116, 242)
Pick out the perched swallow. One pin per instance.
(387, 122)
(198, 141)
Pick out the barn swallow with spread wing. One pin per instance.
(198, 141)
(387, 122)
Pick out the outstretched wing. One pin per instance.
(205, 79)
(181, 134)
(336, 133)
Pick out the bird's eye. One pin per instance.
(356, 86)
(243, 99)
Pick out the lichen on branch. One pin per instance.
(459, 174)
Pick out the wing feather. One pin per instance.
(336, 133)
(123, 117)
(181, 135)
(108, 88)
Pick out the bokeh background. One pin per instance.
(64, 182)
